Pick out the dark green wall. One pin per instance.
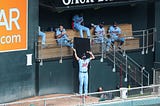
(16, 79)
(63, 78)
(157, 23)
(55, 77)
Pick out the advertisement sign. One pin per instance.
(13, 25)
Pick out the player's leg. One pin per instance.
(60, 41)
(68, 43)
(81, 79)
(86, 83)
(108, 41)
(43, 35)
(121, 41)
(79, 28)
(86, 30)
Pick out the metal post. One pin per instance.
(41, 62)
(101, 60)
(154, 79)
(45, 103)
(154, 76)
(114, 67)
(126, 69)
(83, 100)
(143, 41)
(142, 80)
(148, 79)
(60, 61)
(124, 52)
(147, 43)
(154, 35)
(35, 50)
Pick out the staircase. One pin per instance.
(131, 68)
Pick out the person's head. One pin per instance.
(101, 24)
(60, 27)
(100, 89)
(115, 24)
(84, 56)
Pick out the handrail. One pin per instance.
(145, 73)
(145, 30)
(124, 69)
(75, 95)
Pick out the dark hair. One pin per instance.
(102, 23)
(114, 23)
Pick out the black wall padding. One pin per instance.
(81, 45)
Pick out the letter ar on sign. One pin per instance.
(7, 23)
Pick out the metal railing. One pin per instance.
(146, 40)
(156, 76)
(94, 98)
(128, 65)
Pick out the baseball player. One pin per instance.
(115, 33)
(83, 70)
(100, 35)
(62, 37)
(77, 24)
(43, 35)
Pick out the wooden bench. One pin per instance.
(130, 42)
(52, 50)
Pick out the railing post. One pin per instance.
(41, 62)
(36, 49)
(154, 76)
(147, 43)
(60, 61)
(45, 103)
(142, 79)
(114, 67)
(102, 49)
(148, 80)
(143, 41)
(126, 78)
(83, 100)
(154, 36)
(124, 52)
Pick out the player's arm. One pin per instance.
(119, 32)
(96, 31)
(58, 34)
(75, 54)
(91, 55)
(104, 33)
(64, 31)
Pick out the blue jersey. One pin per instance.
(58, 31)
(77, 19)
(83, 65)
(114, 31)
(99, 31)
